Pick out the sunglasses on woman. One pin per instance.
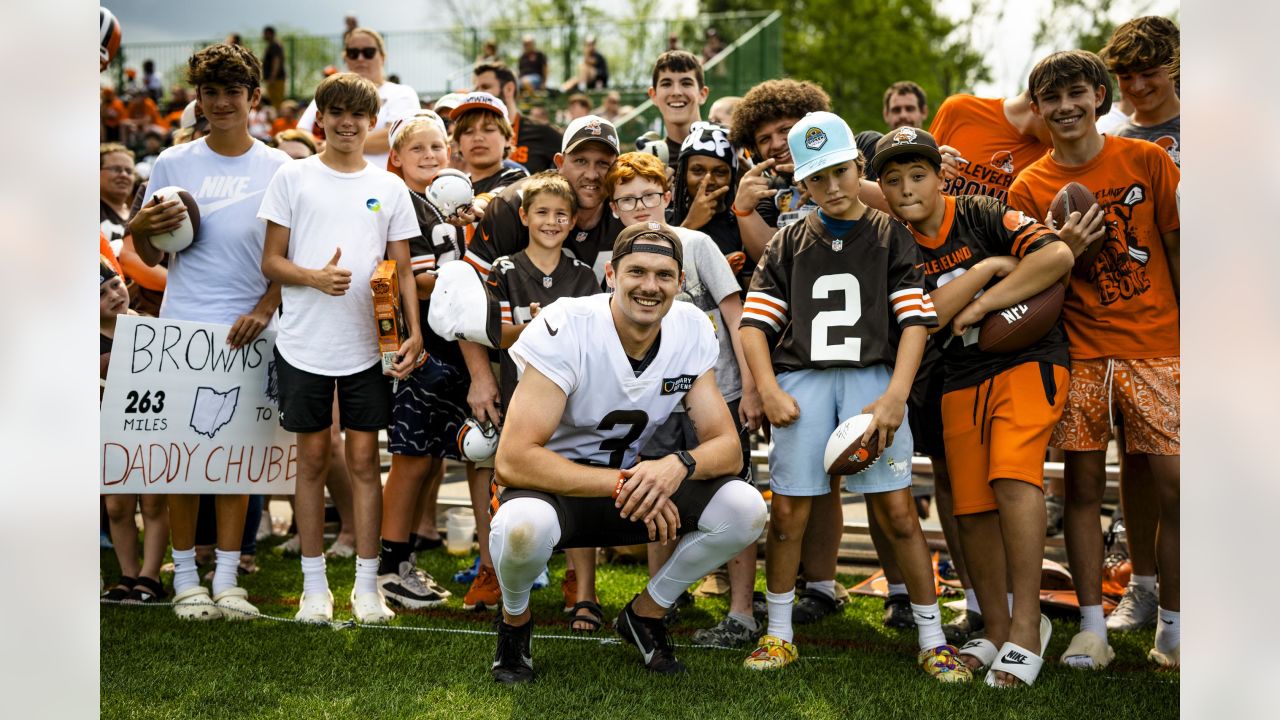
(369, 53)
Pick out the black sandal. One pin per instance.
(120, 591)
(593, 616)
(147, 590)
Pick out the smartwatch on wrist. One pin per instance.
(689, 463)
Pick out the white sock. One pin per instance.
(366, 575)
(897, 589)
(1010, 597)
(928, 625)
(314, 579)
(748, 621)
(226, 570)
(1168, 630)
(826, 587)
(1091, 619)
(780, 614)
(185, 575)
(1146, 582)
(971, 601)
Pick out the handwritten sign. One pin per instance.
(184, 412)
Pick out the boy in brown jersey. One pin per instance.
(998, 409)
(816, 335)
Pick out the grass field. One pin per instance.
(434, 664)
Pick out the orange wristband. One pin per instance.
(618, 488)
(739, 213)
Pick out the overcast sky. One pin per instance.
(169, 20)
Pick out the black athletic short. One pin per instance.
(306, 399)
(924, 415)
(595, 522)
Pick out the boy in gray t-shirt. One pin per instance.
(1143, 54)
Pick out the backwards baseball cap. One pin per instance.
(818, 141)
(479, 101)
(905, 141)
(589, 128)
(398, 125)
(640, 238)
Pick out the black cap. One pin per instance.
(632, 240)
(905, 141)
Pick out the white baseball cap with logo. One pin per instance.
(818, 141)
(479, 100)
(586, 129)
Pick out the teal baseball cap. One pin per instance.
(818, 141)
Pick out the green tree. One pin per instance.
(855, 49)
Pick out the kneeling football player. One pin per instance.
(598, 375)
(998, 409)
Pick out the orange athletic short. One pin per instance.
(1000, 429)
(1144, 393)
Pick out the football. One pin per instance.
(180, 238)
(1074, 197)
(1020, 325)
(846, 455)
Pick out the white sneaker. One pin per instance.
(412, 588)
(1137, 609)
(370, 608)
(315, 607)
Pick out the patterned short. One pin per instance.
(429, 408)
(1144, 393)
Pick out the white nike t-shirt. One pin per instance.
(218, 277)
(396, 101)
(325, 210)
(610, 413)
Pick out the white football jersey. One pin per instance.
(610, 413)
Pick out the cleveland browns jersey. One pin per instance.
(824, 301)
(439, 243)
(501, 233)
(499, 181)
(517, 282)
(975, 227)
(610, 410)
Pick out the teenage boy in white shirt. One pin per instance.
(330, 219)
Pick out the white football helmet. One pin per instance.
(477, 441)
(450, 191)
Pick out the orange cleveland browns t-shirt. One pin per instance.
(1123, 306)
(996, 150)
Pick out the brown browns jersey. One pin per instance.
(823, 301)
(534, 145)
(499, 181)
(975, 227)
(439, 243)
(516, 282)
(501, 233)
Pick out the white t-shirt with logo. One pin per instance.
(325, 210)
(610, 412)
(218, 277)
(396, 101)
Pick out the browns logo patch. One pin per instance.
(904, 135)
(1015, 221)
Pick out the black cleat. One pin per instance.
(649, 635)
(513, 663)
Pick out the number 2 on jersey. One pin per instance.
(851, 348)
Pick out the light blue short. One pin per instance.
(827, 398)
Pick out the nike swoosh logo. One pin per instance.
(214, 207)
(647, 655)
(1167, 622)
(1007, 659)
(928, 617)
(552, 330)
